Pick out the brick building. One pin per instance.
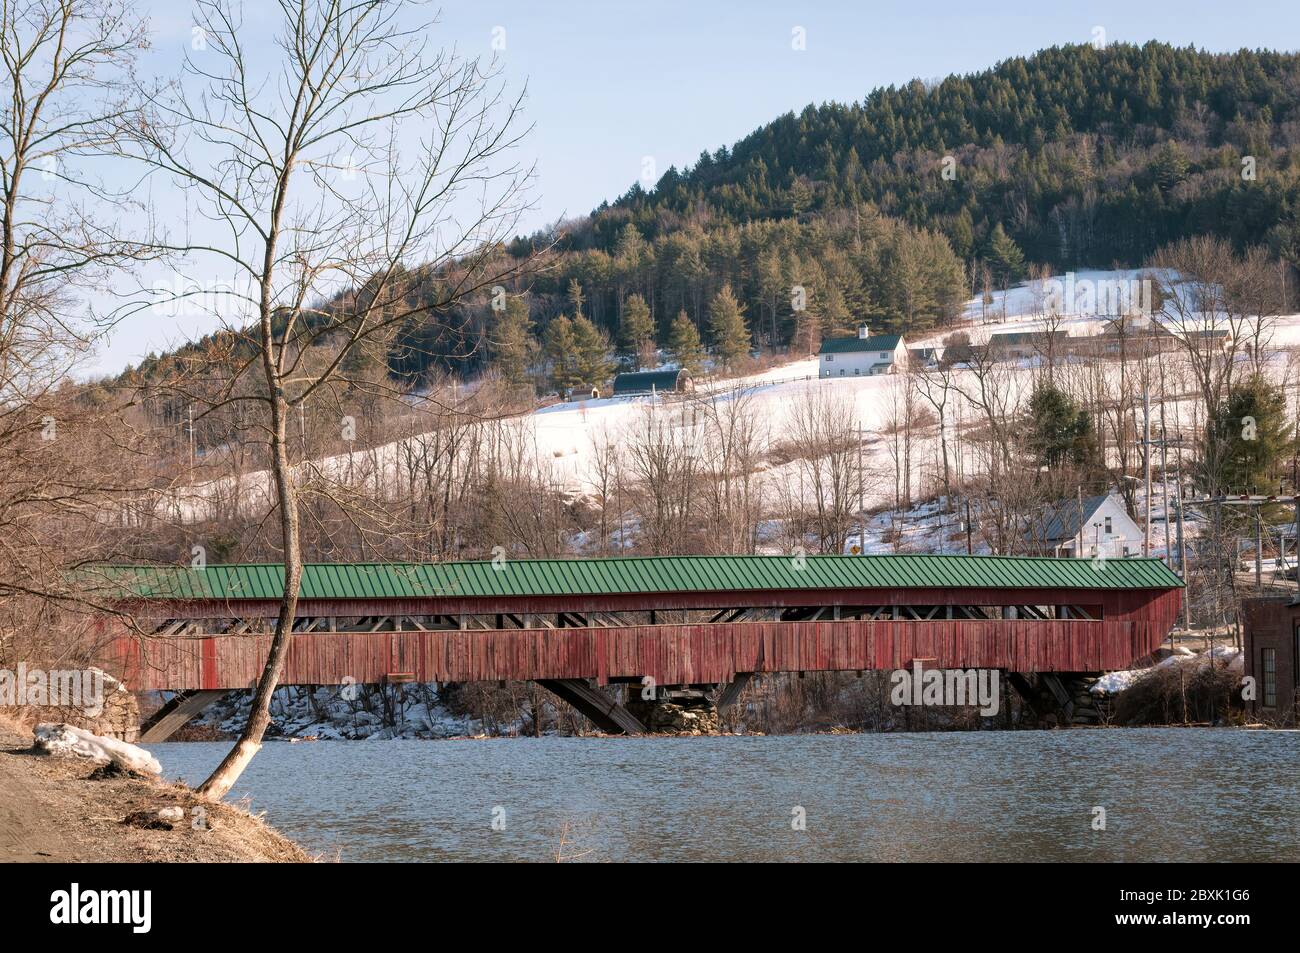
(1272, 649)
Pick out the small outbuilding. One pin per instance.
(673, 381)
(924, 358)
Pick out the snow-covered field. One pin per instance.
(562, 437)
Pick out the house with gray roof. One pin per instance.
(1095, 525)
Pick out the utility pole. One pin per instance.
(970, 549)
(1164, 467)
(862, 506)
(555, 511)
(1182, 557)
(191, 412)
(1218, 569)
(1146, 457)
(1259, 548)
(1078, 552)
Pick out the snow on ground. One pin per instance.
(61, 739)
(1020, 308)
(1112, 683)
(922, 529)
(328, 713)
(561, 437)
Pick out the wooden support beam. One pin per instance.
(605, 713)
(174, 715)
(733, 689)
(1063, 699)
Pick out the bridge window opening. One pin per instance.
(307, 625)
(930, 613)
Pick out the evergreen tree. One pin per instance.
(576, 298)
(636, 334)
(1005, 257)
(1248, 439)
(591, 364)
(808, 324)
(513, 347)
(730, 333)
(1060, 434)
(560, 346)
(684, 345)
(1169, 166)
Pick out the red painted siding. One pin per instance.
(671, 654)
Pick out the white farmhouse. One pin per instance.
(1093, 526)
(862, 356)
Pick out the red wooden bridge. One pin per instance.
(575, 625)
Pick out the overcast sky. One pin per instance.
(612, 83)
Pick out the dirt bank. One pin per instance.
(52, 810)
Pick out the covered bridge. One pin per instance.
(679, 620)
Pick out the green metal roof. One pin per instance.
(637, 382)
(882, 342)
(524, 577)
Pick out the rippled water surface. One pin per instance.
(1169, 794)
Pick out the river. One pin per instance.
(1168, 794)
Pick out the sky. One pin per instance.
(618, 90)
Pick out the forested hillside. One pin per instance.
(1085, 156)
(894, 209)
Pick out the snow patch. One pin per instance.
(63, 739)
(1112, 683)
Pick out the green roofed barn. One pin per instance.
(652, 382)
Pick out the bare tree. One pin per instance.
(1215, 303)
(988, 386)
(67, 65)
(364, 152)
(936, 386)
(663, 466)
(606, 480)
(67, 69)
(734, 441)
(822, 432)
